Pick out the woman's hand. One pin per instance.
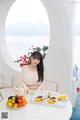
(34, 85)
(26, 89)
(30, 87)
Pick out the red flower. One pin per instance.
(21, 64)
(24, 56)
(23, 60)
(78, 89)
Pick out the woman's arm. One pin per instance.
(32, 85)
(42, 86)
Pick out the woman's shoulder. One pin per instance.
(25, 67)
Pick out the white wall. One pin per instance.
(58, 62)
(5, 61)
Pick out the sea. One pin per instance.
(21, 45)
(18, 46)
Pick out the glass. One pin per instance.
(20, 91)
(1, 97)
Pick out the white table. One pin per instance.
(38, 112)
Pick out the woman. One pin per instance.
(33, 73)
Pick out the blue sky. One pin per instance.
(27, 11)
(27, 17)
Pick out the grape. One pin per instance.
(39, 97)
(10, 97)
(17, 100)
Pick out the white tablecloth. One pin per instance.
(38, 112)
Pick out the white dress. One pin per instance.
(30, 79)
(29, 75)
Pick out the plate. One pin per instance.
(15, 108)
(51, 101)
(45, 99)
(16, 102)
(62, 98)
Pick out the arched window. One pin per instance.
(27, 27)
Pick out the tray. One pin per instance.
(58, 103)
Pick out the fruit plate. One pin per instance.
(16, 102)
(15, 108)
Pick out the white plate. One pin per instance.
(44, 93)
(62, 100)
(15, 108)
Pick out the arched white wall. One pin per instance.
(59, 58)
(5, 61)
(58, 62)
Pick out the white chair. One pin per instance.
(16, 81)
(1, 81)
(5, 91)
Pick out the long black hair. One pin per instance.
(40, 67)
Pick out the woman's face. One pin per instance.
(35, 61)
